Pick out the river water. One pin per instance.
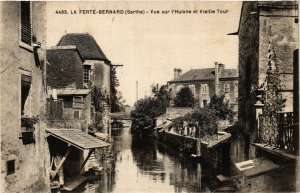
(144, 165)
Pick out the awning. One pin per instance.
(77, 138)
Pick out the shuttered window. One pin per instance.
(26, 33)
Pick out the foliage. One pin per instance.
(116, 98)
(221, 108)
(205, 119)
(99, 98)
(184, 98)
(148, 108)
(274, 101)
(163, 95)
(29, 122)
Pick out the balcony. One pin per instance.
(278, 132)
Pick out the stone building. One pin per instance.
(204, 83)
(77, 61)
(24, 150)
(268, 39)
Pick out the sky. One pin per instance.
(149, 45)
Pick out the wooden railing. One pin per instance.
(279, 131)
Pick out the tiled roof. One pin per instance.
(63, 55)
(65, 67)
(77, 138)
(206, 74)
(86, 44)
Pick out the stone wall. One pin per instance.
(31, 160)
(283, 34)
(248, 78)
(100, 74)
(65, 69)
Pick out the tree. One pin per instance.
(184, 98)
(147, 109)
(98, 98)
(205, 119)
(116, 99)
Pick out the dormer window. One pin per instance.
(26, 28)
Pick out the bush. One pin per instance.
(184, 98)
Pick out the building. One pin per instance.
(96, 66)
(25, 156)
(69, 108)
(204, 83)
(268, 45)
(78, 62)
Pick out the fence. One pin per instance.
(279, 131)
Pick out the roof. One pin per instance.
(68, 91)
(77, 138)
(86, 44)
(63, 55)
(205, 74)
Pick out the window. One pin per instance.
(204, 88)
(236, 90)
(10, 166)
(76, 114)
(204, 103)
(68, 102)
(192, 88)
(25, 87)
(227, 87)
(86, 74)
(77, 102)
(178, 88)
(26, 30)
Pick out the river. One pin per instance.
(145, 165)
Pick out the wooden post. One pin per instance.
(86, 159)
(61, 162)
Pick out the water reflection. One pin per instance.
(144, 165)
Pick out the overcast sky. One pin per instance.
(151, 46)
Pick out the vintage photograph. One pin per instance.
(149, 97)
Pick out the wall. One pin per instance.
(248, 77)
(283, 33)
(100, 74)
(68, 117)
(32, 160)
(65, 69)
(257, 27)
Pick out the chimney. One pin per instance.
(176, 71)
(179, 72)
(217, 82)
